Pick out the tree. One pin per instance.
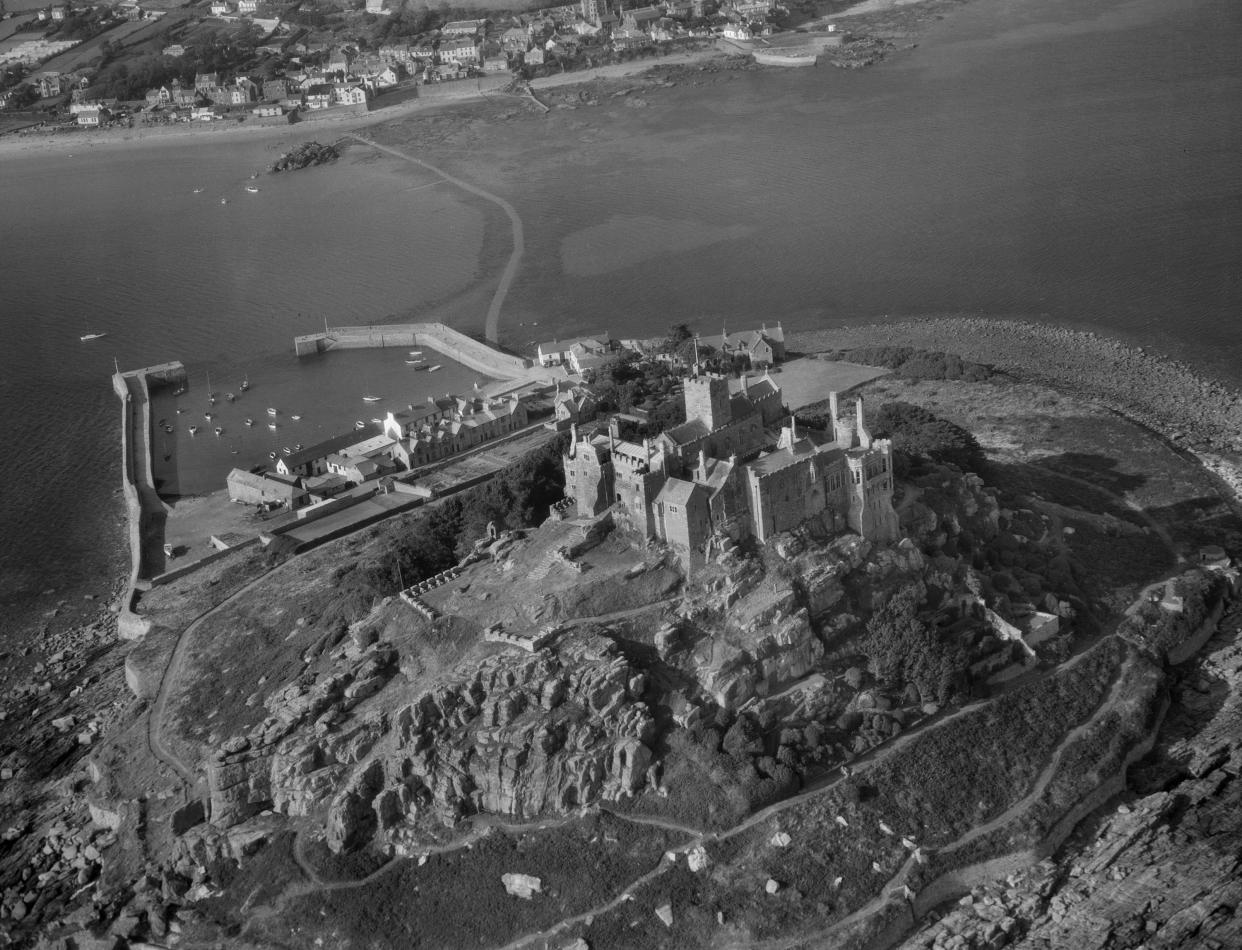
(921, 435)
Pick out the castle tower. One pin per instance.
(871, 511)
(864, 437)
(707, 398)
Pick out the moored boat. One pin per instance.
(272, 426)
(372, 398)
(219, 432)
(432, 369)
(271, 412)
(87, 337)
(360, 424)
(249, 422)
(193, 430)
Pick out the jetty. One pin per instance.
(414, 336)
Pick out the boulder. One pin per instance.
(524, 886)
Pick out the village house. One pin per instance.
(495, 64)
(254, 488)
(640, 18)
(206, 81)
(534, 57)
(93, 118)
(574, 406)
(313, 460)
(49, 84)
(443, 427)
(593, 10)
(59, 12)
(763, 347)
(267, 110)
(159, 97)
(245, 7)
(176, 50)
(515, 39)
(274, 90)
(319, 96)
(722, 475)
(463, 28)
(737, 31)
(376, 7)
(220, 8)
(459, 51)
(340, 62)
(556, 352)
(349, 94)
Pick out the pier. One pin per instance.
(429, 336)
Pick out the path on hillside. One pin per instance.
(492, 324)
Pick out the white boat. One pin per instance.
(245, 384)
(87, 337)
(296, 418)
(252, 189)
(193, 430)
(249, 422)
(432, 369)
(168, 430)
(207, 416)
(414, 362)
(287, 450)
(372, 398)
(198, 191)
(219, 432)
(298, 447)
(272, 426)
(229, 396)
(271, 412)
(271, 455)
(416, 352)
(378, 422)
(360, 424)
(179, 411)
(224, 201)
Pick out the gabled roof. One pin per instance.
(678, 492)
(321, 449)
(687, 432)
(803, 449)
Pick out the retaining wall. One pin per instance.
(129, 625)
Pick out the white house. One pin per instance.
(557, 352)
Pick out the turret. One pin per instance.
(864, 437)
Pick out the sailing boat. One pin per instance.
(211, 397)
(245, 383)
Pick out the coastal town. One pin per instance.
(153, 62)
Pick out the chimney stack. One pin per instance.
(864, 437)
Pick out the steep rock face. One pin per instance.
(527, 735)
(772, 655)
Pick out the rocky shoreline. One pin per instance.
(1194, 413)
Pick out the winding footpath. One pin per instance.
(492, 323)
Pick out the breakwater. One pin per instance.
(146, 512)
(432, 336)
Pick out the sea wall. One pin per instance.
(434, 336)
(129, 625)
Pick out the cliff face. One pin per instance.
(522, 735)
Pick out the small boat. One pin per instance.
(219, 432)
(249, 422)
(298, 447)
(271, 455)
(87, 337)
(224, 201)
(193, 430)
(372, 398)
(245, 384)
(198, 191)
(252, 189)
(271, 412)
(287, 450)
(168, 429)
(432, 369)
(296, 418)
(229, 396)
(378, 422)
(413, 362)
(416, 352)
(179, 411)
(272, 426)
(360, 424)
(207, 416)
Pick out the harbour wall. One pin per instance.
(143, 506)
(432, 336)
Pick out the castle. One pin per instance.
(738, 467)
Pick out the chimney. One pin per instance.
(701, 474)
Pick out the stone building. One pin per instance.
(738, 467)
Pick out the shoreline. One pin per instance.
(15, 144)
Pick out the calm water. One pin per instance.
(1029, 159)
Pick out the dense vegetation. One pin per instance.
(903, 651)
(625, 384)
(1164, 630)
(911, 363)
(921, 436)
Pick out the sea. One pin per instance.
(1039, 159)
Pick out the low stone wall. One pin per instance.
(190, 567)
(1194, 643)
